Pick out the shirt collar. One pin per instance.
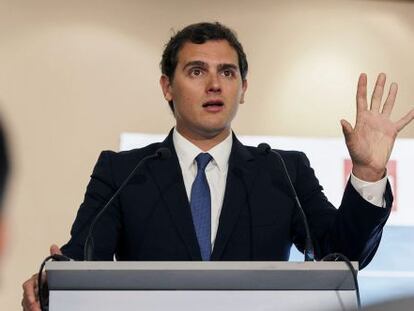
(187, 151)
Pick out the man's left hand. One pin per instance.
(371, 141)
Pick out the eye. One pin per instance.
(196, 72)
(228, 73)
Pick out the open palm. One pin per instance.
(371, 141)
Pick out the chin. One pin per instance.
(214, 131)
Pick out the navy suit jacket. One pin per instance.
(151, 219)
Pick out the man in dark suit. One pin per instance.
(152, 220)
(216, 199)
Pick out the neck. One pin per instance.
(205, 142)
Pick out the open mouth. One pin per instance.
(215, 103)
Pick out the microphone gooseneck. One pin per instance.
(309, 250)
(162, 154)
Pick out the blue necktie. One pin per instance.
(201, 206)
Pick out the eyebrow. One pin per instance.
(228, 66)
(199, 63)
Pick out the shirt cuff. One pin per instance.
(373, 192)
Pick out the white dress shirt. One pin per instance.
(373, 192)
(216, 173)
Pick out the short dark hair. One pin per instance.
(200, 33)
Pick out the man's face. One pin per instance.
(206, 90)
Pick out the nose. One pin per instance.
(213, 85)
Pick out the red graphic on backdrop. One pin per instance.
(392, 177)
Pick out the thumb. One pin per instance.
(346, 129)
(55, 250)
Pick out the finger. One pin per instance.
(346, 129)
(361, 96)
(29, 292)
(26, 306)
(405, 120)
(32, 307)
(35, 306)
(32, 286)
(378, 92)
(55, 250)
(389, 103)
(36, 291)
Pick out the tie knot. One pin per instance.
(202, 160)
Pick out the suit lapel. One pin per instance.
(168, 176)
(240, 177)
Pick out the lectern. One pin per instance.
(199, 286)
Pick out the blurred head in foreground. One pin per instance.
(4, 172)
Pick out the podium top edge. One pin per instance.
(198, 265)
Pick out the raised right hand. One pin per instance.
(30, 301)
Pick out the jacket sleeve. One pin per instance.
(107, 228)
(354, 229)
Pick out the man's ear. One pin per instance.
(244, 89)
(166, 88)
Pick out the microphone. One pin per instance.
(162, 154)
(309, 250)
